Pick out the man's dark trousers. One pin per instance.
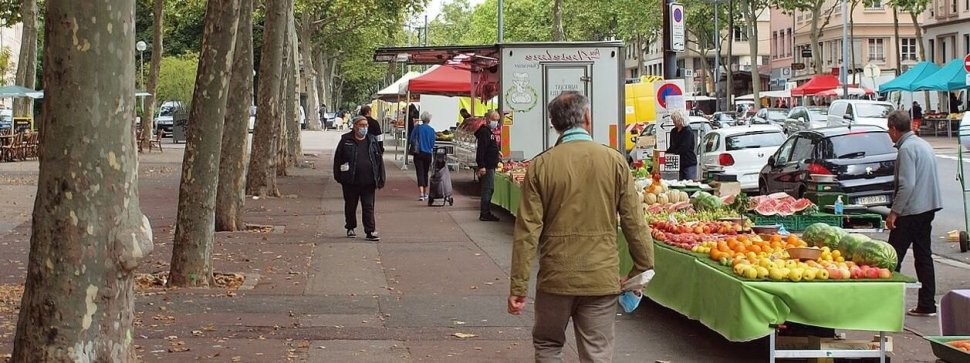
(365, 195)
(915, 230)
(488, 187)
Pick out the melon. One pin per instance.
(662, 199)
(851, 242)
(673, 196)
(875, 253)
(766, 209)
(683, 196)
(801, 205)
(784, 209)
(650, 198)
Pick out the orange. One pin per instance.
(775, 238)
(755, 248)
(791, 239)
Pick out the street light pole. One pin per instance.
(844, 74)
(141, 46)
(717, 61)
(501, 33)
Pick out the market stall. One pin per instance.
(712, 268)
(951, 77)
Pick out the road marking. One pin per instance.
(951, 262)
(951, 157)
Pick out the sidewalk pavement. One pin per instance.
(433, 290)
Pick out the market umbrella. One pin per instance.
(815, 85)
(906, 80)
(397, 89)
(951, 77)
(40, 94)
(14, 91)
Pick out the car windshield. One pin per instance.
(725, 117)
(753, 140)
(818, 114)
(167, 111)
(859, 144)
(777, 114)
(873, 110)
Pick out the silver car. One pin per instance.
(803, 118)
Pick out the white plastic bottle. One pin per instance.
(839, 206)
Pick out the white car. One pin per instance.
(859, 112)
(741, 151)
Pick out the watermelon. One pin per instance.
(784, 209)
(851, 242)
(830, 237)
(766, 209)
(801, 205)
(814, 234)
(875, 253)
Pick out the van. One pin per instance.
(859, 112)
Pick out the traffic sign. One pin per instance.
(668, 89)
(678, 40)
(966, 62)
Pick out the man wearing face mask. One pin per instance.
(359, 168)
(573, 197)
(487, 159)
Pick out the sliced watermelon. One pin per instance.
(801, 205)
(784, 209)
(766, 209)
(779, 195)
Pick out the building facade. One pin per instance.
(782, 48)
(946, 30)
(872, 41)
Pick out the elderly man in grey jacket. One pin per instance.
(916, 200)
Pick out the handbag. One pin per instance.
(414, 148)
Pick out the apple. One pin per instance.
(776, 274)
(846, 273)
(856, 272)
(872, 273)
(810, 274)
(823, 274)
(796, 274)
(885, 273)
(834, 273)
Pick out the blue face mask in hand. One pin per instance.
(630, 300)
(362, 131)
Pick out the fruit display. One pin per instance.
(515, 170)
(657, 196)
(858, 248)
(687, 235)
(781, 204)
(963, 345)
(706, 201)
(445, 135)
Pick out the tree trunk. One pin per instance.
(310, 74)
(729, 82)
(195, 223)
(148, 114)
(899, 59)
(293, 127)
(88, 233)
(919, 35)
(851, 56)
(640, 54)
(751, 12)
(813, 35)
(558, 34)
(27, 62)
(286, 105)
(231, 194)
(261, 179)
(321, 67)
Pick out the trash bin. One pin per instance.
(178, 129)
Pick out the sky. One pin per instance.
(434, 7)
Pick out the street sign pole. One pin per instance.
(844, 74)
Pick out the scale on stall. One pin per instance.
(964, 145)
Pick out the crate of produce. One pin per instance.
(809, 219)
(790, 222)
(865, 221)
(948, 352)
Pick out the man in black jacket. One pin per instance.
(373, 127)
(682, 143)
(487, 159)
(358, 166)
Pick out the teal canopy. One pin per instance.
(951, 77)
(906, 81)
(16, 92)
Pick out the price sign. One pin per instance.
(671, 162)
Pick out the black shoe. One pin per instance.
(488, 218)
(920, 312)
(351, 234)
(373, 237)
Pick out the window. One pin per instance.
(775, 45)
(791, 42)
(966, 42)
(802, 150)
(781, 157)
(877, 50)
(874, 5)
(832, 51)
(711, 143)
(859, 145)
(754, 140)
(932, 51)
(954, 8)
(740, 34)
(907, 49)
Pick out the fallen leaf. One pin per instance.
(464, 335)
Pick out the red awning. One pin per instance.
(445, 80)
(815, 85)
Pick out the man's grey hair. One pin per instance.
(426, 117)
(678, 115)
(490, 113)
(567, 110)
(900, 121)
(358, 118)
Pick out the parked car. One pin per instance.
(6, 118)
(724, 119)
(302, 119)
(770, 116)
(252, 118)
(862, 159)
(803, 118)
(859, 112)
(166, 116)
(328, 120)
(740, 151)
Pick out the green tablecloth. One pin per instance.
(742, 310)
(500, 196)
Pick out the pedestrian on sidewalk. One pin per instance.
(373, 127)
(423, 138)
(358, 165)
(487, 159)
(917, 117)
(915, 202)
(573, 197)
(682, 143)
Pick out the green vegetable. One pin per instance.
(875, 253)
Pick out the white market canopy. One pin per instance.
(767, 94)
(397, 89)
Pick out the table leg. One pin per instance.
(771, 346)
(882, 347)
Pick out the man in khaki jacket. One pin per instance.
(573, 196)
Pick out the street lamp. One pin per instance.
(141, 46)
